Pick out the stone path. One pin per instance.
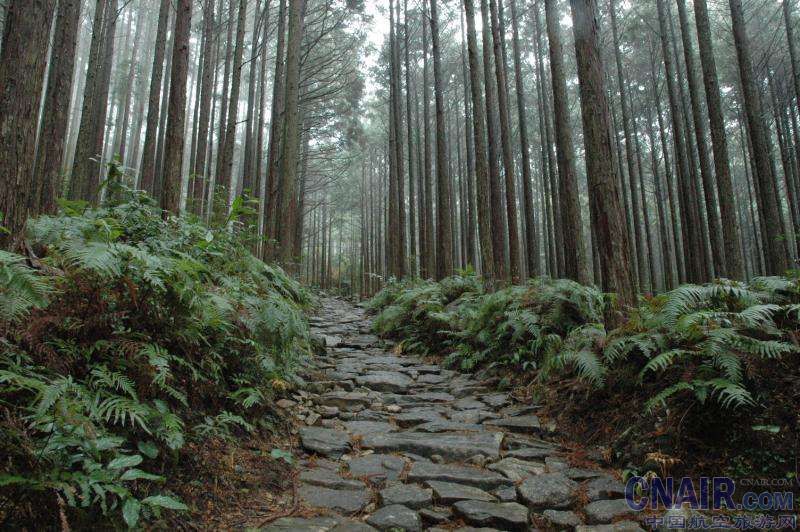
(394, 443)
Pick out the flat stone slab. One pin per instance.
(562, 518)
(367, 427)
(600, 512)
(532, 453)
(496, 400)
(342, 501)
(345, 401)
(449, 446)
(328, 478)
(297, 524)
(377, 466)
(517, 469)
(431, 378)
(408, 495)
(328, 442)
(550, 490)
(396, 517)
(503, 515)
(472, 416)
(362, 340)
(352, 526)
(449, 492)
(604, 488)
(480, 478)
(448, 426)
(520, 424)
(385, 381)
(468, 403)
(417, 417)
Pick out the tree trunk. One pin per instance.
(430, 239)
(604, 194)
(206, 93)
(174, 136)
(444, 214)
(151, 129)
(22, 67)
(719, 141)
(574, 254)
(55, 116)
(225, 175)
(531, 239)
(774, 246)
(291, 131)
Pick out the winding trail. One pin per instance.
(394, 443)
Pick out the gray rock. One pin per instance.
(580, 475)
(472, 416)
(297, 524)
(434, 517)
(555, 464)
(532, 453)
(342, 501)
(562, 518)
(345, 401)
(599, 512)
(604, 488)
(450, 446)
(449, 492)
(517, 469)
(332, 341)
(416, 417)
(448, 426)
(352, 526)
(329, 479)
(396, 517)
(468, 403)
(377, 467)
(619, 526)
(504, 515)
(480, 478)
(496, 400)
(328, 442)
(385, 381)
(550, 490)
(362, 340)
(431, 378)
(506, 494)
(409, 495)
(520, 424)
(367, 427)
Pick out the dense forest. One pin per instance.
(592, 204)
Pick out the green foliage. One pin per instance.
(130, 337)
(698, 342)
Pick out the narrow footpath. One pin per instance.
(394, 443)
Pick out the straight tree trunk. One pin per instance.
(493, 140)
(206, 94)
(23, 61)
(444, 237)
(176, 110)
(531, 240)
(430, 238)
(481, 164)
(505, 138)
(604, 194)
(55, 116)
(153, 107)
(575, 260)
(719, 143)
(225, 175)
(411, 152)
(291, 131)
(774, 247)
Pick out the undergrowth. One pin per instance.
(711, 367)
(125, 338)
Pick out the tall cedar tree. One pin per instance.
(605, 203)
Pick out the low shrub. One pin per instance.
(122, 338)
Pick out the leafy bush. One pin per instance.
(711, 344)
(126, 337)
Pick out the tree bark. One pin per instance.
(604, 193)
(444, 236)
(22, 67)
(176, 124)
(574, 254)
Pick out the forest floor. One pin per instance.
(396, 442)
